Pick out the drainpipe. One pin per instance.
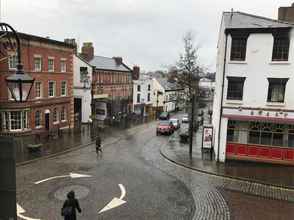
(222, 96)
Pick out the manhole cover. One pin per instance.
(80, 192)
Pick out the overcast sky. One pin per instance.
(147, 33)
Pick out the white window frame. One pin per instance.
(63, 70)
(63, 110)
(41, 63)
(54, 89)
(10, 57)
(57, 116)
(41, 90)
(23, 127)
(40, 119)
(65, 89)
(51, 70)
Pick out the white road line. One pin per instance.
(71, 175)
(20, 211)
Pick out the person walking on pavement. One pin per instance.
(98, 145)
(69, 207)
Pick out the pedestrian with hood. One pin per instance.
(69, 207)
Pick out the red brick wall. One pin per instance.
(45, 50)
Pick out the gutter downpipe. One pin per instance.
(222, 96)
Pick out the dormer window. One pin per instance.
(281, 46)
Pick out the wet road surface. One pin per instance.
(155, 188)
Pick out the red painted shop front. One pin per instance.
(260, 141)
(260, 153)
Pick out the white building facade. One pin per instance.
(142, 95)
(82, 89)
(253, 109)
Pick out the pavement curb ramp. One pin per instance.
(248, 180)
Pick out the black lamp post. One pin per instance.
(20, 85)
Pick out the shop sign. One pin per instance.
(207, 137)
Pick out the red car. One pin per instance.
(165, 127)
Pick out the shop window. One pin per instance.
(276, 89)
(281, 47)
(278, 135)
(235, 88)
(266, 134)
(238, 47)
(254, 133)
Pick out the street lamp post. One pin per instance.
(19, 85)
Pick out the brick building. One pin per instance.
(112, 84)
(50, 104)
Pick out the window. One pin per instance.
(148, 97)
(83, 73)
(63, 88)
(149, 87)
(276, 89)
(51, 89)
(238, 48)
(63, 114)
(63, 66)
(281, 47)
(37, 63)
(291, 136)
(138, 98)
(37, 119)
(50, 65)
(55, 115)
(15, 120)
(235, 88)
(139, 88)
(38, 89)
(12, 61)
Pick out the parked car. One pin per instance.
(165, 127)
(164, 116)
(175, 122)
(185, 121)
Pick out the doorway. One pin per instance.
(47, 117)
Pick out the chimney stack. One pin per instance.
(87, 51)
(286, 13)
(71, 41)
(136, 73)
(118, 60)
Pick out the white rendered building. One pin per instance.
(82, 89)
(253, 112)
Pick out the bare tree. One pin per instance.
(188, 78)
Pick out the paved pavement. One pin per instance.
(270, 174)
(155, 187)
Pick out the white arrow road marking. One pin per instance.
(71, 175)
(115, 202)
(20, 211)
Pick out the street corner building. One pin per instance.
(253, 109)
(112, 85)
(50, 104)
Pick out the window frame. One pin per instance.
(63, 61)
(281, 46)
(63, 114)
(231, 80)
(55, 116)
(12, 57)
(275, 82)
(54, 89)
(239, 46)
(138, 98)
(40, 90)
(39, 125)
(41, 63)
(63, 89)
(50, 59)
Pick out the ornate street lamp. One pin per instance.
(19, 83)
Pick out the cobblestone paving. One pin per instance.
(206, 189)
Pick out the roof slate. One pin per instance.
(234, 20)
(167, 85)
(107, 63)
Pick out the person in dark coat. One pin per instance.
(98, 145)
(74, 203)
